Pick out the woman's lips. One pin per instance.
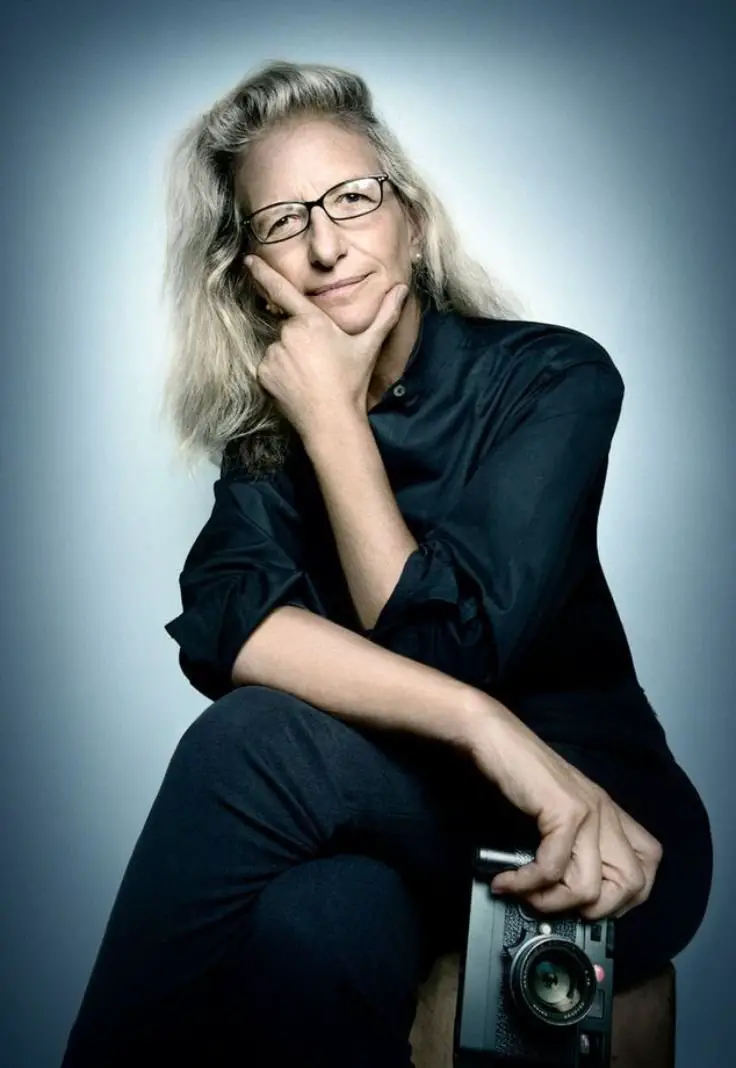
(339, 290)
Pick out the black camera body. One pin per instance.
(536, 989)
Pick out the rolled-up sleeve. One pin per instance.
(488, 577)
(237, 572)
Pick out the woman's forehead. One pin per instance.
(300, 161)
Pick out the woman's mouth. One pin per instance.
(344, 289)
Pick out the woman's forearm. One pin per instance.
(372, 538)
(353, 678)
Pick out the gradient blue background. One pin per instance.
(586, 153)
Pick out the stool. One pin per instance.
(643, 1022)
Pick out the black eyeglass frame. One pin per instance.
(319, 203)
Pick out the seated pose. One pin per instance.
(395, 609)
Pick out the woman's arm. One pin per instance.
(349, 676)
(372, 539)
(591, 854)
(486, 579)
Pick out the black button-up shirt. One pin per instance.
(495, 441)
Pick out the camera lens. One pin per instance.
(553, 979)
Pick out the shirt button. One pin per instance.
(399, 390)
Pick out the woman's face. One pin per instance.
(302, 161)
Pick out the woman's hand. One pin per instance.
(593, 857)
(315, 366)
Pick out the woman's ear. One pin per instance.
(416, 239)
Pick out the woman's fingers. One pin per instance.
(553, 857)
(622, 874)
(581, 881)
(604, 875)
(648, 851)
(548, 866)
(592, 856)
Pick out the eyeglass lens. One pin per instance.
(346, 201)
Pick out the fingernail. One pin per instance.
(248, 261)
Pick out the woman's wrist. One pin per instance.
(482, 714)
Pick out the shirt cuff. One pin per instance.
(428, 576)
(211, 632)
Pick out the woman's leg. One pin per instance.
(327, 972)
(261, 782)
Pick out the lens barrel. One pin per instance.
(553, 980)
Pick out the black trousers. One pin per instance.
(297, 874)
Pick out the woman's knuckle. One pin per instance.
(578, 810)
(590, 893)
(637, 881)
(551, 870)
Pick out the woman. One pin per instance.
(396, 609)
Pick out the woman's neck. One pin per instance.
(396, 350)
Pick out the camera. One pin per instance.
(535, 989)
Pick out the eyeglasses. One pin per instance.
(287, 218)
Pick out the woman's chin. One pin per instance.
(352, 318)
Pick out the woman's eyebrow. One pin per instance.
(304, 199)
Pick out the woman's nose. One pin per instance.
(325, 237)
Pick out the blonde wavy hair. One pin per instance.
(220, 328)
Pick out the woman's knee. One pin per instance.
(253, 719)
(281, 764)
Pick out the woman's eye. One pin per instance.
(283, 219)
